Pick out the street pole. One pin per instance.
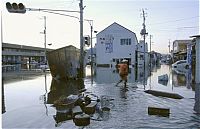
(91, 53)
(150, 62)
(150, 51)
(81, 40)
(45, 41)
(144, 33)
(1, 29)
(169, 45)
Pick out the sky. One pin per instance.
(166, 21)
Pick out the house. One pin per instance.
(88, 56)
(155, 58)
(140, 54)
(114, 44)
(197, 59)
(179, 51)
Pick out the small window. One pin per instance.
(125, 41)
(129, 41)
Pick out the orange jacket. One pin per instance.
(123, 69)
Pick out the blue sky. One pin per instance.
(166, 20)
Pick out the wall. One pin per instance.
(197, 76)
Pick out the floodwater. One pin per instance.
(28, 103)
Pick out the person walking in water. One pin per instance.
(123, 71)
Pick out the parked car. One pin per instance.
(33, 62)
(180, 65)
(44, 67)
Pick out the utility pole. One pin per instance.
(91, 53)
(169, 45)
(150, 62)
(81, 40)
(144, 33)
(1, 29)
(150, 50)
(91, 49)
(45, 40)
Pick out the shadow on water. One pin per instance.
(63, 89)
(197, 99)
(3, 97)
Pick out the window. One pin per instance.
(125, 41)
(141, 57)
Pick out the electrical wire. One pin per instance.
(60, 14)
(177, 20)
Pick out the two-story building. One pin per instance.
(142, 54)
(179, 51)
(114, 44)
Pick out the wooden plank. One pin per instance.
(164, 94)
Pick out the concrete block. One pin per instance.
(159, 111)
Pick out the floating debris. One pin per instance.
(159, 111)
(164, 94)
(76, 110)
(66, 101)
(82, 120)
(90, 108)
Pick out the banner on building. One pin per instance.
(109, 47)
(189, 54)
(109, 43)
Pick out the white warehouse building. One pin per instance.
(114, 44)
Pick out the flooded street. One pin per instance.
(29, 103)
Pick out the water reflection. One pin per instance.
(110, 75)
(19, 67)
(183, 78)
(62, 89)
(45, 95)
(142, 75)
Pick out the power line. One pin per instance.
(60, 14)
(175, 29)
(177, 20)
(55, 10)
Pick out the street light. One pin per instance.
(91, 48)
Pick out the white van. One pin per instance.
(181, 64)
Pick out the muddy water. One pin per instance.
(28, 103)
